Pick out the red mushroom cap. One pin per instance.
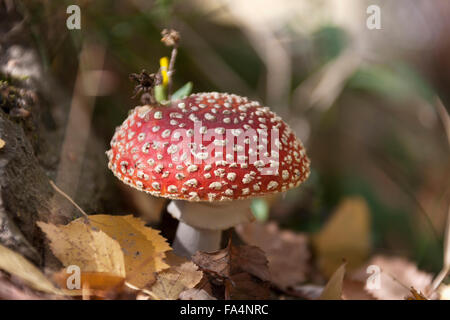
(207, 147)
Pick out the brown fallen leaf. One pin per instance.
(286, 251)
(17, 265)
(242, 270)
(444, 292)
(181, 275)
(397, 275)
(88, 248)
(195, 294)
(243, 286)
(234, 259)
(355, 290)
(307, 291)
(100, 284)
(333, 289)
(415, 295)
(345, 236)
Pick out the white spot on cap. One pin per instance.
(166, 133)
(172, 149)
(219, 130)
(216, 185)
(192, 168)
(272, 185)
(156, 185)
(158, 115)
(191, 183)
(193, 196)
(231, 176)
(179, 176)
(172, 189)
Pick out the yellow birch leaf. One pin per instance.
(92, 283)
(20, 267)
(333, 289)
(144, 248)
(345, 236)
(83, 245)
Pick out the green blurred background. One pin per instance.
(364, 102)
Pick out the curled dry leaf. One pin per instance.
(415, 295)
(333, 289)
(354, 290)
(286, 251)
(233, 260)
(20, 267)
(243, 271)
(345, 236)
(396, 277)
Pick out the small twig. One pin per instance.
(445, 118)
(68, 198)
(446, 267)
(171, 70)
(171, 38)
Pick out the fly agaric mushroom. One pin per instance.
(210, 153)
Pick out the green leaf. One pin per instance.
(160, 94)
(184, 91)
(260, 209)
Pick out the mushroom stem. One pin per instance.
(201, 223)
(189, 240)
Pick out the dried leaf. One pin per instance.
(144, 248)
(396, 276)
(244, 286)
(345, 236)
(308, 291)
(92, 283)
(446, 265)
(171, 282)
(196, 294)
(444, 292)
(86, 247)
(234, 260)
(243, 271)
(415, 295)
(20, 267)
(333, 289)
(286, 251)
(2, 143)
(355, 290)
